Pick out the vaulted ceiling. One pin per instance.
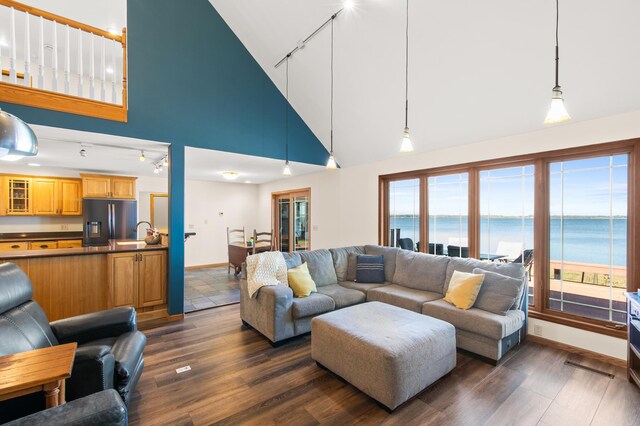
(478, 69)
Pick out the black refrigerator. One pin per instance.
(105, 220)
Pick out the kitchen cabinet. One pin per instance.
(103, 186)
(138, 279)
(41, 196)
(17, 196)
(69, 244)
(43, 245)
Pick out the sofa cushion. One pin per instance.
(292, 259)
(363, 287)
(320, 266)
(498, 293)
(403, 297)
(389, 254)
(370, 268)
(315, 304)
(300, 281)
(420, 271)
(463, 289)
(342, 296)
(476, 320)
(341, 261)
(513, 270)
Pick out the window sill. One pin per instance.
(579, 323)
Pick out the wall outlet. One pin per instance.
(64, 227)
(183, 369)
(537, 330)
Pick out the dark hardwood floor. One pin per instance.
(237, 377)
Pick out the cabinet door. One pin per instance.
(17, 196)
(43, 245)
(18, 245)
(123, 279)
(96, 186)
(69, 244)
(123, 188)
(45, 197)
(153, 278)
(70, 199)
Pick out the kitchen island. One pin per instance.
(74, 281)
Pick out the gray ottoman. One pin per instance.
(389, 353)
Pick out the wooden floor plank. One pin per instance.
(237, 377)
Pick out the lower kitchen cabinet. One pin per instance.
(138, 279)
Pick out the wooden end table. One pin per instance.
(39, 370)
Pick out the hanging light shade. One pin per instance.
(331, 163)
(287, 170)
(16, 137)
(406, 145)
(557, 111)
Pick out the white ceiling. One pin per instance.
(59, 151)
(478, 69)
(205, 164)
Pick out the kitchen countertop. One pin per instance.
(112, 247)
(39, 236)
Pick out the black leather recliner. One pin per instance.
(109, 354)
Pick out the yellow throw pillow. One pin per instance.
(300, 281)
(463, 289)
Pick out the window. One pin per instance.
(568, 216)
(449, 215)
(588, 237)
(291, 220)
(506, 216)
(404, 213)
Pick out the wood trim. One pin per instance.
(540, 239)
(152, 197)
(60, 19)
(578, 351)
(176, 317)
(211, 265)
(45, 99)
(290, 195)
(424, 218)
(473, 213)
(291, 191)
(556, 155)
(582, 323)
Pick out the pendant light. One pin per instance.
(557, 112)
(16, 138)
(406, 145)
(287, 170)
(331, 163)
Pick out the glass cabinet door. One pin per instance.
(18, 201)
(301, 222)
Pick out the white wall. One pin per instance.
(344, 203)
(211, 207)
(145, 186)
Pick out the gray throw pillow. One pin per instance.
(498, 292)
(352, 264)
(370, 269)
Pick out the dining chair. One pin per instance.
(406, 244)
(234, 236)
(264, 239)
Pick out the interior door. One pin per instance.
(292, 219)
(301, 221)
(283, 219)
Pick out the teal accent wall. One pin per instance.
(192, 83)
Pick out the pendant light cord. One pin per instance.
(406, 69)
(557, 49)
(332, 19)
(286, 116)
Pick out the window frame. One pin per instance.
(541, 162)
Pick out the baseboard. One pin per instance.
(578, 351)
(212, 265)
(176, 317)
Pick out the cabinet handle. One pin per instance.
(44, 246)
(15, 246)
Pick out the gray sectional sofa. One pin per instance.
(414, 281)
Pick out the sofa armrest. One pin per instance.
(269, 311)
(96, 325)
(93, 371)
(99, 409)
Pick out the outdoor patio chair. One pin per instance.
(406, 244)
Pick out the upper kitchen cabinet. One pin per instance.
(17, 196)
(103, 186)
(40, 196)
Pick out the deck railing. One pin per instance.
(52, 62)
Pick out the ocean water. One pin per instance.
(588, 240)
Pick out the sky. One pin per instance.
(587, 187)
